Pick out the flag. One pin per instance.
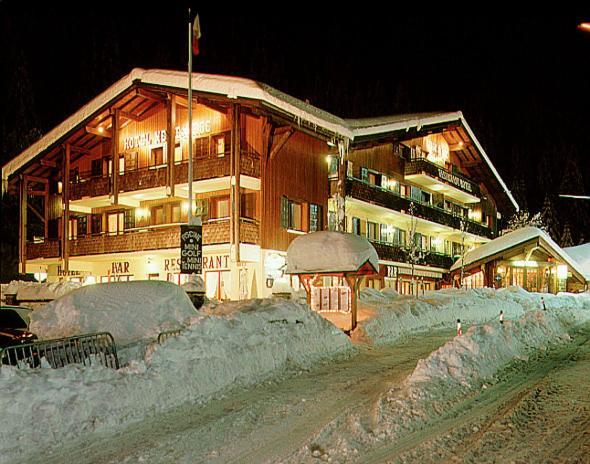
(196, 35)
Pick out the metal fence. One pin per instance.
(163, 336)
(87, 349)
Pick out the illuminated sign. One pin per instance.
(159, 137)
(455, 180)
(191, 249)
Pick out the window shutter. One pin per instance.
(284, 212)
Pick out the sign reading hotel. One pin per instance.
(191, 249)
(455, 180)
(159, 137)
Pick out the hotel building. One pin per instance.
(103, 194)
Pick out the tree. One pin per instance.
(413, 250)
(566, 239)
(549, 218)
(522, 219)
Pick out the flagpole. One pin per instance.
(190, 122)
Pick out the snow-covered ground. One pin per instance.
(236, 345)
(35, 291)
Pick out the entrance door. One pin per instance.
(218, 284)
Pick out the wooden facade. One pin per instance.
(261, 177)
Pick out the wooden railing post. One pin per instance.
(115, 155)
(171, 142)
(236, 135)
(22, 230)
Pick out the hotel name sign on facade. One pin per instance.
(160, 137)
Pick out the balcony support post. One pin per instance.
(22, 230)
(115, 156)
(171, 142)
(65, 251)
(236, 135)
(341, 186)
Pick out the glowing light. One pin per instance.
(100, 129)
(584, 27)
(142, 213)
(59, 186)
(562, 271)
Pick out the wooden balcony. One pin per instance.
(152, 238)
(392, 252)
(373, 194)
(422, 167)
(89, 186)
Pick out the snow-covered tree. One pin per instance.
(549, 218)
(522, 219)
(566, 239)
(413, 250)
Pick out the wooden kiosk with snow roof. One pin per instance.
(330, 265)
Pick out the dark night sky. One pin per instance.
(522, 83)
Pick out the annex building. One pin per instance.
(103, 194)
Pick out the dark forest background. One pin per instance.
(522, 83)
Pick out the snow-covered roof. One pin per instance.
(581, 255)
(238, 87)
(330, 251)
(514, 239)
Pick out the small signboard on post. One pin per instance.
(191, 249)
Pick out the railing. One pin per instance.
(396, 253)
(163, 336)
(87, 349)
(369, 193)
(215, 231)
(423, 166)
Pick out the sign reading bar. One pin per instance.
(191, 249)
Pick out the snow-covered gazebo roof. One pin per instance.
(331, 252)
(513, 240)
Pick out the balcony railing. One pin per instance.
(423, 166)
(144, 239)
(373, 194)
(396, 253)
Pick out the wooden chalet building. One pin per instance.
(266, 168)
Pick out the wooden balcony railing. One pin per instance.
(423, 166)
(392, 252)
(151, 238)
(369, 193)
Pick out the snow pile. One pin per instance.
(35, 291)
(130, 311)
(464, 364)
(194, 284)
(254, 341)
(329, 251)
(581, 255)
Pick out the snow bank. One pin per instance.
(35, 291)
(130, 311)
(329, 251)
(464, 364)
(253, 341)
(394, 316)
(581, 255)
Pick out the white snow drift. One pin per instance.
(130, 311)
(255, 340)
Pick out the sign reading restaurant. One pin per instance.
(455, 180)
(146, 139)
(191, 249)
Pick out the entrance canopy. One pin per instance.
(523, 243)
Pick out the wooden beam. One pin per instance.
(48, 164)
(79, 149)
(66, 210)
(41, 180)
(37, 213)
(236, 135)
(171, 142)
(128, 115)
(279, 143)
(150, 95)
(115, 156)
(22, 230)
(94, 130)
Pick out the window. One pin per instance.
(115, 223)
(332, 167)
(221, 144)
(175, 212)
(220, 207)
(178, 154)
(201, 147)
(131, 161)
(416, 193)
(157, 157)
(426, 197)
(386, 233)
(96, 167)
(73, 229)
(356, 226)
(315, 217)
(157, 215)
(121, 164)
(372, 231)
(82, 225)
(374, 178)
(364, 174)
(96, 224)
(129, 221)
(291, 214)
(248, 205)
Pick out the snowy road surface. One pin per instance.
(265, 423)
(539, 411)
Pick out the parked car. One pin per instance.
(14, 326)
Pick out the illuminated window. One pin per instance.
(220, 207)
(157, 157)
(315, 217)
